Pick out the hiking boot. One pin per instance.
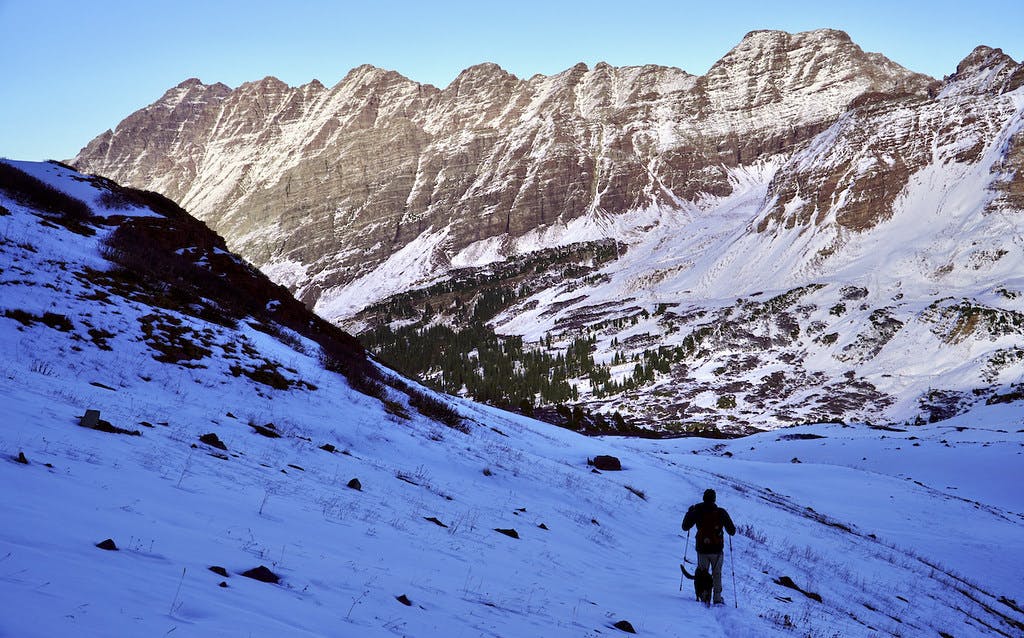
(719, 601)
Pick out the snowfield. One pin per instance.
(908, 531)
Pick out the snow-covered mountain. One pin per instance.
(806, 232)
(320, 186)
(223, 444)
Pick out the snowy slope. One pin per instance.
(890, 528)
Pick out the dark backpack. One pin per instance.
(710, 537)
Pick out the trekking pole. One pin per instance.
(682, 567)
(732, 564)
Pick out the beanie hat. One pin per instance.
(709, 496)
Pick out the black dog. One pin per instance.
(702, 583)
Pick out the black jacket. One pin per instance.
(710, 520)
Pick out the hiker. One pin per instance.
(710, 520)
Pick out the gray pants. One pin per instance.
(713, 562)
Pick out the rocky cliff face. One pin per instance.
(868, 156)
(789, 232)
(325, 184)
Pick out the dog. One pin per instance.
(702, 583)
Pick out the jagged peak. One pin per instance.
(314, 85)
(830, 55)
(191, 89)
(268, 82)
(982, 58)
(579, 67)
(482, 77)
(196, 83)
(486, 72)
(189, 83)
(370, 74)
(365, 69)
(772, 37)
(985, 70)
(756, 44)
(485, 69)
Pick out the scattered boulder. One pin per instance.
(268, 430)
(606, 463)
(433, 519)
(223, 583)
(108, 545)
(213, 440)
(511, 533)
(21, 458)
(404, 600)
(543, 526)
(91, 419)
(262, 574)
(802, 436)
(354, 484)
(327, 447)
(220, 571)
(626, 626)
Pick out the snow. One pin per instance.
(287, 272)
(907, 533)
(77, 186)
(412, 266)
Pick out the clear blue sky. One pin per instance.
(74, 68)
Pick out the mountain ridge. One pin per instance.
(419, 194)
(797, 163)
